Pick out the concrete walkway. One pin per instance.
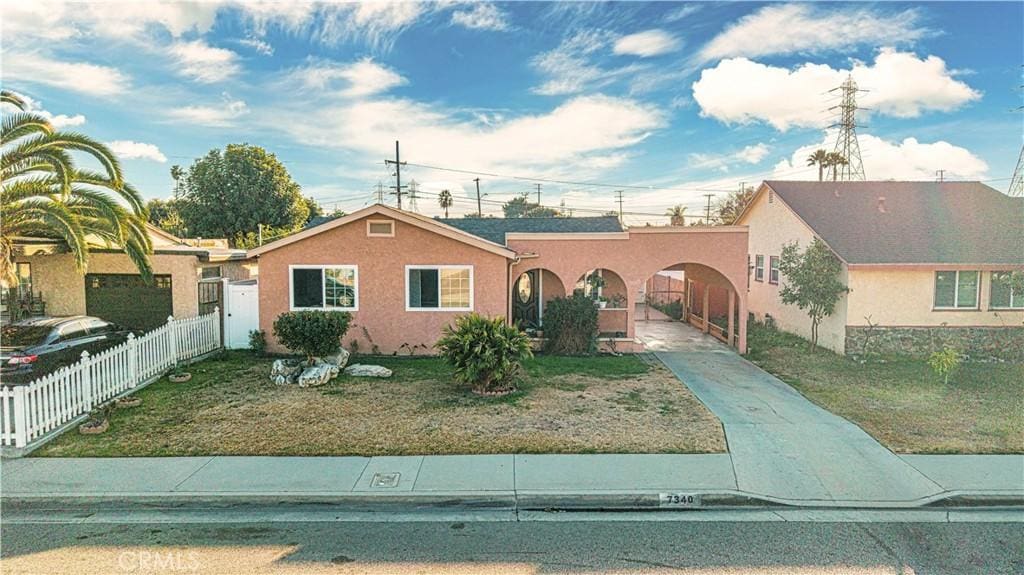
(782, 445)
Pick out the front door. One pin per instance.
(525, 301)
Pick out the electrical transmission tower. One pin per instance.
(1016, 188)
(846, 143)
(413, 188)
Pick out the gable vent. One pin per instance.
(881, 204)
(380, 228)
(771, 196)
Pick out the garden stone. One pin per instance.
(360, 370)
(314, 376)
(339, 360)
(284, 371)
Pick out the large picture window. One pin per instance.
(439, 288)
(1004, 295)
(956, 289)
(332, 288)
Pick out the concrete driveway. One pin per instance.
(782, 445)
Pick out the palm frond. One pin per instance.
(9, 97)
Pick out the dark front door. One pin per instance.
(125, 299)
(525, 301)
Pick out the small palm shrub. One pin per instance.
(570, 325)
(312, 333)
(485, 353)
(944, 363)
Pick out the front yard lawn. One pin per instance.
(565, 405)
(901, 402)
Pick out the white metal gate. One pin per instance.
(242, 313)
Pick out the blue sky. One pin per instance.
(668, 100)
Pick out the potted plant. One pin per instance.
(128, 401)
(618, 301)
(98, 422)
(595, 282)
(602, 302)
(179, 375)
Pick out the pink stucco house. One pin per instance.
(404, 276)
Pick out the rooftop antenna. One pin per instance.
(846, 142)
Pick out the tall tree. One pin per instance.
(177, 173)
(730, 207)
(834, 160)
(45, 194)
(819, 157)
(164, 214)
(521, 207)
(811, 281)
(445, 200)
(315, 209)
(231, 194)
(677, 215)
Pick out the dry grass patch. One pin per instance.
(566, 405)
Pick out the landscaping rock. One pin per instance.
(285, 371)
(316, 375)
(339, 360)
(360, 370)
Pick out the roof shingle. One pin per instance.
(494, 229)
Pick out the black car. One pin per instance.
(32, 348)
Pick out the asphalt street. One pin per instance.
(553, 545)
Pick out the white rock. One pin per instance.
(360, 370)
(339, 360)
(314, 376)
(280, 380)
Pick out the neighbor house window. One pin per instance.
(956, 289)
(439, 288)
(211, 272)
(759, 268)
(331, 288)
(773, 269)
(380, 228)
(1003, 294)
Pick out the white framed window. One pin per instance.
(773, 269)
(956, 289)
(759, 268)
(380, 228)
(1002, 293)
(320, 287)
(438, 288)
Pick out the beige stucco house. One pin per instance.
(111, 287)
(924, 262)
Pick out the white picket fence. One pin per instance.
(29, 412)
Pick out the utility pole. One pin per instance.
(707, 211)
(479, 209)
(846, 143)
(619, 193)
(398, 175)
(538, 194)
(940, 175)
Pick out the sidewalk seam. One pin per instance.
(190, 475)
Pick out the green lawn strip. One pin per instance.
(900, 401)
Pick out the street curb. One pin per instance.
(482, 501)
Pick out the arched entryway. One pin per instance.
(531, 290)
(611, 296)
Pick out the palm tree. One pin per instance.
(45, 195)
(676, 214)
(177, 173)
(835, 160)
(819, 157)
(445, 200)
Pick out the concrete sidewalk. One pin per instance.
(459, 481)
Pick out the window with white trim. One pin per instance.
(439, 288)
(956, 289)
(330, 288)
(773, 269)
(759, 268)
(1003, 293)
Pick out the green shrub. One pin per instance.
(944, 362)
(570, 325)
(673, 309)
(485, 353)
(312, 333)
(258, 341)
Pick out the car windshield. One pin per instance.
(24, 335)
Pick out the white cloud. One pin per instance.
(211, 116)
(883, 159)
(682, 12)
(563, 139)
(900, 84)
(204, 63)
(647, 43)
(483, 16)
(58, 121)
(357, 79)
(82, 77)
(260, 46)
(130, 150)
(807, 29)
(569, 67)
(751, 155)
(29, 23)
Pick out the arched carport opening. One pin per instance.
(694, 294)
(531, 291)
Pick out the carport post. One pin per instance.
(732, 313)
(707, 322)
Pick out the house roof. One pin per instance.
(909, 222)
(411, 218)
(494, 229)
